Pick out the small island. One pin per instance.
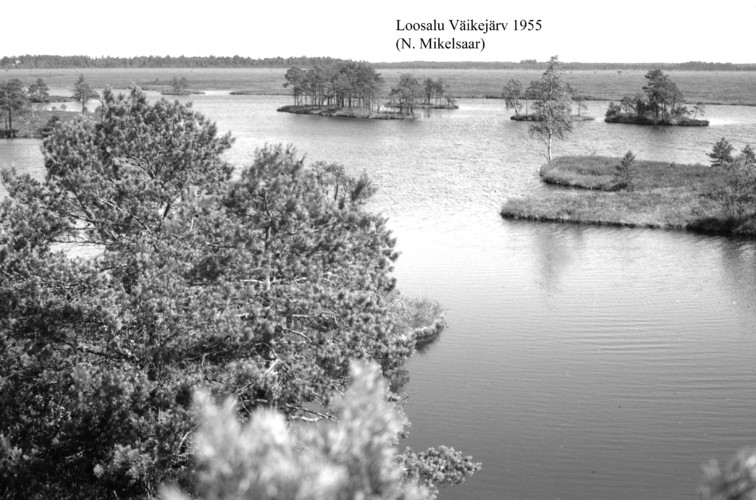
(515, 98)
(661, 104)
(350, 89)
(534, 118)
(309, 109)
(176, 87)
(717, 198)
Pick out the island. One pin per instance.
(515, 98)
(308, 109)
(717, 198)
(353, 90)
(660, 104)
(534, 118)
(176, 87)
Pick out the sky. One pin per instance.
(575, 30)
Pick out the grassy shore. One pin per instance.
(659, 195)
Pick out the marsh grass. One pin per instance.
(601, 173)
(421, 318)
(662, 195)
(723, 87)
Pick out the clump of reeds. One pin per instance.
(421, 318)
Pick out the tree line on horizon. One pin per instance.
(49, 61)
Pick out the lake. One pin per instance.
(579, 362)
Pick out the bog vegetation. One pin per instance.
(720, 197)
(139, 271)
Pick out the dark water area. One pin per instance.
(579, 362)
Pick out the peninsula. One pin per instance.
(638, 193)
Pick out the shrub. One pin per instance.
(613, 110)
(721, 153)
(626, 172)
(354, 456)
(738, 191)
(748, 156)
(734, 481)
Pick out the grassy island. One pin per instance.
(450, 105)
(390, 113)
(344, 112)
(634, 119)
(175, 87)
(654, 194)
(181, 92)
(534, 118)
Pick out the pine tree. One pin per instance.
(721, 153)
(262, 287)
(13, 101)
(83, 93)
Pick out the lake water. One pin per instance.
(579, 362)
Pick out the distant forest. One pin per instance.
(56, 62)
